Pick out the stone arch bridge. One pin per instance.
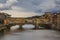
(21, 21)
(7, 22)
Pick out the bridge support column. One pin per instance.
(4, 30)
(20, 27)
(36, 26)
(1, 32)
(7, 31)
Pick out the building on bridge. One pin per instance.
(3, 17)
(56, 21)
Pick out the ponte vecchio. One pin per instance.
(50, 20)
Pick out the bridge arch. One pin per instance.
(14, 28)
(28, 26)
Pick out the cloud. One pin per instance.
(47, 5)
(16, 13)
(1, 5)
(29, 7)
(37, 5)
(17, 8)
(3, 1)
(8, 4)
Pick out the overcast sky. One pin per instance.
(27, 8)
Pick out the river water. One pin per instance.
(33, 35)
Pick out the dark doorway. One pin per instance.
(1, 21)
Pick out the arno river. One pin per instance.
(33, 35)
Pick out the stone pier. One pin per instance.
(20, 27)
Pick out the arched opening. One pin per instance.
(28, 26)
(46, 26)
(14, 28)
